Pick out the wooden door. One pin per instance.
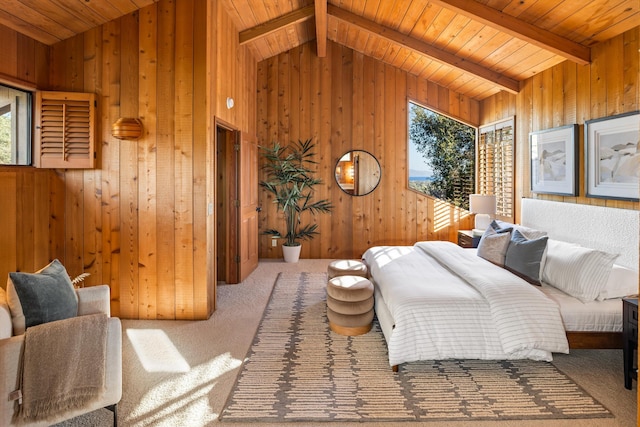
(248, 195)
(226, 204)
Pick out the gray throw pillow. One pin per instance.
(45, 296)
(493, 246)
(524, 256)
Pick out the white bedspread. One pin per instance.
(447, 303)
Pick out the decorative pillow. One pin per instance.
(529, 233)
(524, 256)
(622, 282)
(493, 245)
(505, 227)
(42, 297)
(5, 316)
(577, 271)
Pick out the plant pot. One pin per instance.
(291, 253)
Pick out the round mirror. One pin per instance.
(358, 172)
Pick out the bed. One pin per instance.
(435, 300)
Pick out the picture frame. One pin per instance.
(554, 160)
(612, 160)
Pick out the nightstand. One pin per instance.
(630, 338)
(466, 239)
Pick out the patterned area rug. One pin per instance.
(298, 370)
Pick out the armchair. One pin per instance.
(91, 300)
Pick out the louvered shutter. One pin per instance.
(65, 130)
(496, 165)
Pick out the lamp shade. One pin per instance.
(127, 128)
(482, 204)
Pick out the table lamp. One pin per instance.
(484, 206)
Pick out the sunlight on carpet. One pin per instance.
(185, 392)
(156, 352)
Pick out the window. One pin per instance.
(15, 126)
(441, 156)
(495, 165)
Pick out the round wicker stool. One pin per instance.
(346, 267)
(350, 305)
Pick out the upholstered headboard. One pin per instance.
(607, 229)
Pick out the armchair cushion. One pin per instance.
(41, 297)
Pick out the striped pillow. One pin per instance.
(578, 271)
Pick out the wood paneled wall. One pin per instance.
(138, 221)
(350, 101)
(568, 94)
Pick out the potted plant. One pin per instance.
(290, 178)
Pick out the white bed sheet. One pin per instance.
(596, 316)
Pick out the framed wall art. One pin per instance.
(612, 160)
(554, 160)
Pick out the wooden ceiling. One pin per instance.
(476, 48)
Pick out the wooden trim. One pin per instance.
(422, 48)
(262, 30)
(17, 83)
(520, 29)
(594, 340)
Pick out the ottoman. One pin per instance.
(346, 267)
(350, 305)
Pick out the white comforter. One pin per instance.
(448, 303)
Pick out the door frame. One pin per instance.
(232, 183)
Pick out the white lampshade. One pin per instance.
(484, 206)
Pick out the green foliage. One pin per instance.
(290, 179)
(5, 139)
(448, 146)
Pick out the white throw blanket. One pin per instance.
(524, 317)
(63, 366)
(433, 312)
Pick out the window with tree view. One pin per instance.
(441, 156)
(15, 126)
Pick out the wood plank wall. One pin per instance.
(568, 94)
(350, 101)
(138, 221)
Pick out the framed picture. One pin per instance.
(554, 155)
(612, 160)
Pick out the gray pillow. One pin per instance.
(504, 227)
(493, 245)
(524, 256)
(45, 296)
(527, 232)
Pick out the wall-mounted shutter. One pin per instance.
(65, 130)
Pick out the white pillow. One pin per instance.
(5, 316)
(622, 282)
(577, 271)
(493, 246)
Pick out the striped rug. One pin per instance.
(298, 370)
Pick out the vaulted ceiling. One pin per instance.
(476, 48)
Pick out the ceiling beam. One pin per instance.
(517, 28)
(422, 48)
(321, 27)
(264, 29)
